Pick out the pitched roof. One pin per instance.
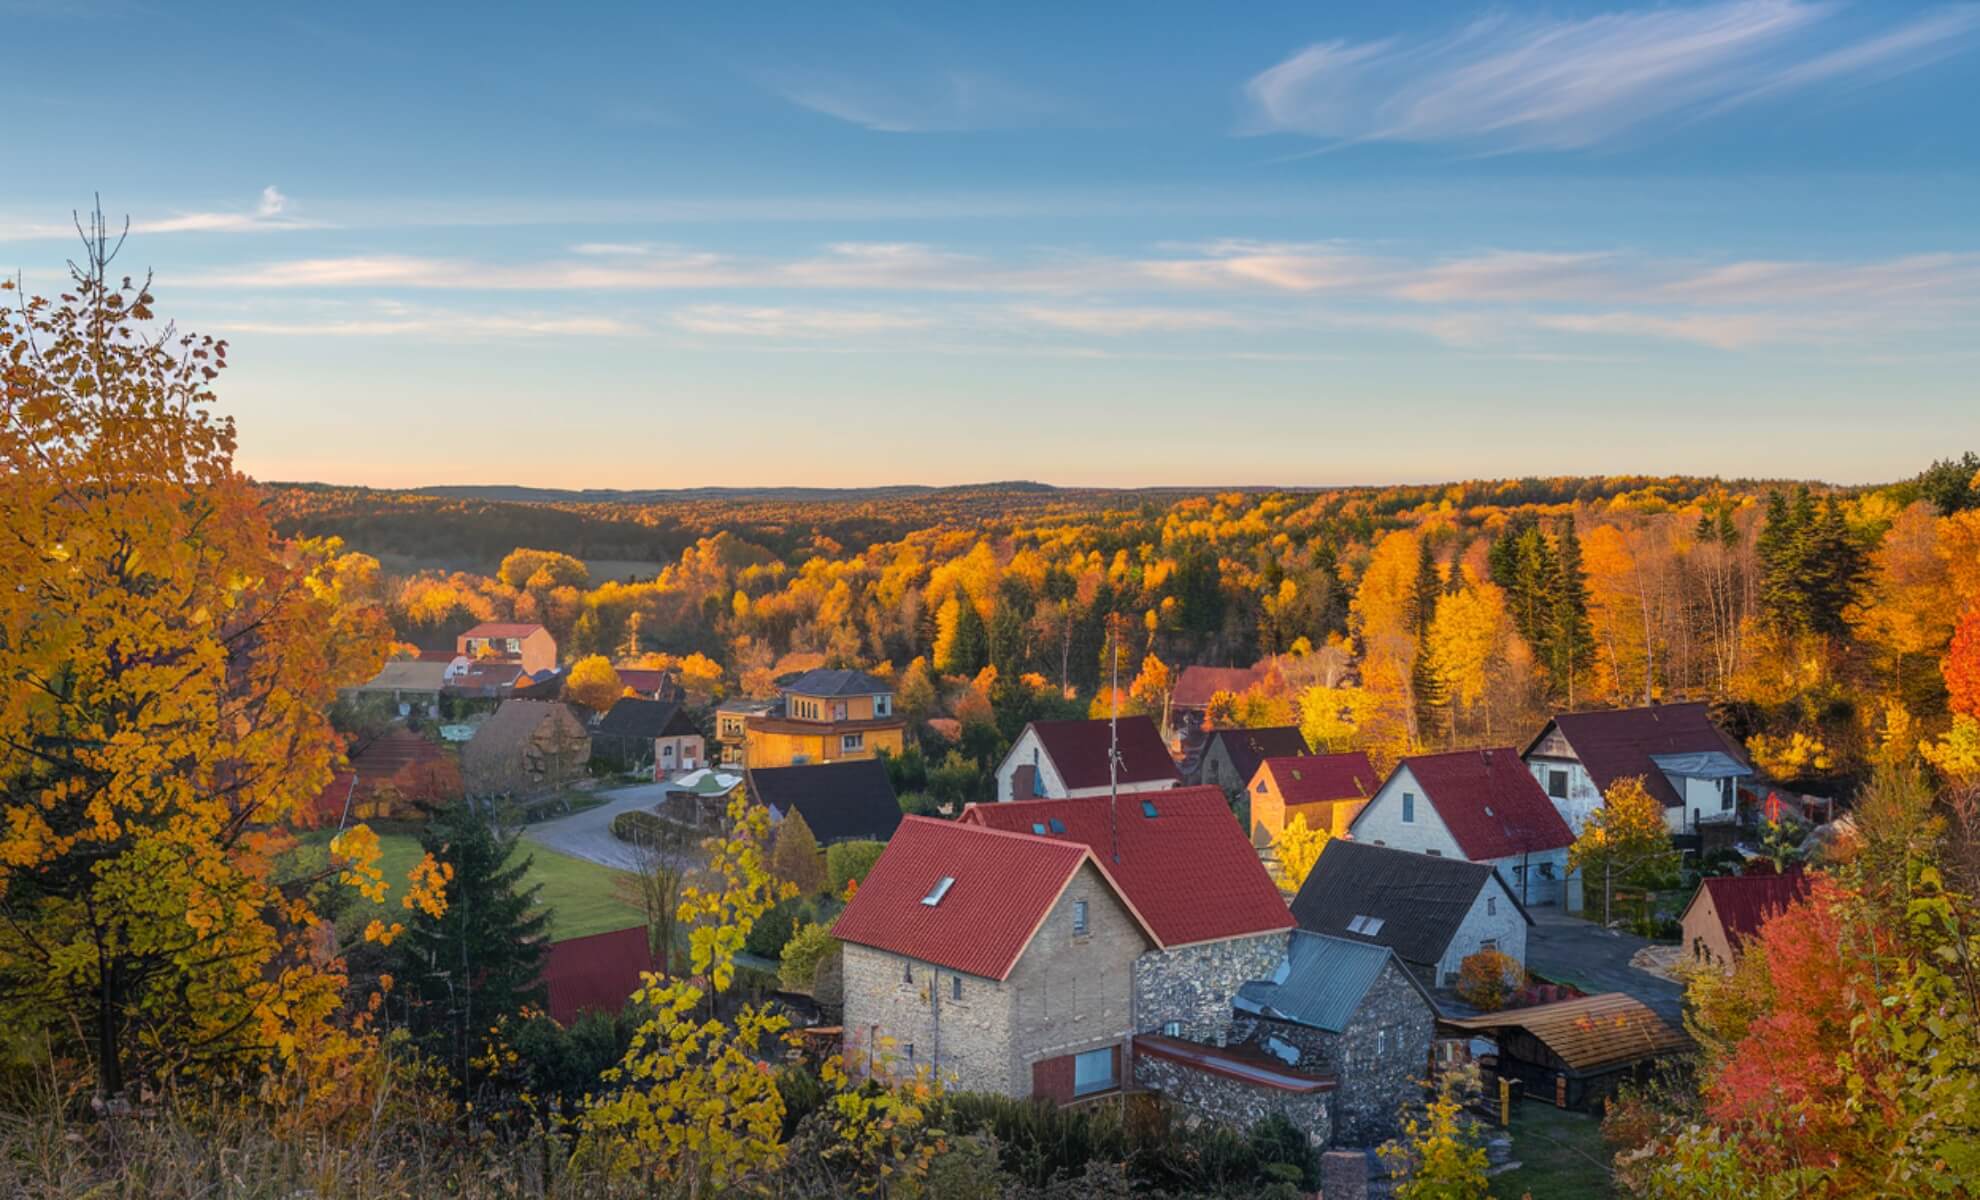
(1745, 902)
(1244, 1064)
(509, 727)
(827, 682)
(487, 675)
(1618, 743)
(1079, 750)
(643, 680)
(408, 675)
(1189, 869)
(1490, 802)
(1322, 981)
(839, 801)
(1247, 748)
(1312, 778)
(1003, 886)
(1588, 1032)
(503, 629)
(595, 973)
(1420, 899)
(633, 717)
(1196, 685)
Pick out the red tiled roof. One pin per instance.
(600, 972)
(1617, 743)
(1746, 902)
(641, 680)
(1005, 886)
(1244, 1064)
(1490, 802)
(1079, 750)
(503, 629)
(330, 803)
(1189, 870)
(440, 654)
(1196, 685)
(1312, 778)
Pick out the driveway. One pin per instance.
(588, 834)
(1570, 950)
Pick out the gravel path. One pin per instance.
(588, 835)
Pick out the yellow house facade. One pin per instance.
(825, 716)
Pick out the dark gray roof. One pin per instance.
(1249, 747)
(840, 801)
(826, 682)
(1420, 899)
(635, 718)
(1322, 981)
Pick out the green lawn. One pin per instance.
(582, 896)
(1561, 1156)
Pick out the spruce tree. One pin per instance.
(482, 958)
(1838, 568)
(1423, 600)
(969, 650)
(1572, 641)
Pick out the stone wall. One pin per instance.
(1073, 992)
(1380, 1057)
(1198, 1096)
(1192, 986)
(901, 1013)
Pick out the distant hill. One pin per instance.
(517, 494)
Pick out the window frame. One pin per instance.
(1094, 1088)
(1081, 924)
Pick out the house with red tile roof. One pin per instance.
(1001, 961)
(1688, 763)
(1197, 684)
(1325, 789)
(1482, 806)
(524, 643)
(1725, 912)
(390, 775)
(1060, 759)
(1218, 919)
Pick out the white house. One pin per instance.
(1482, 806)
(1686, 762)
(1433, 911)
(1067, 759)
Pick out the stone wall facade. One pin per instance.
(1380, 1057)
(1198, 1096)
(1186, 992)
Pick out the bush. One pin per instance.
(849, 861)
(1487, 979)
(767, 937)
(802, 952)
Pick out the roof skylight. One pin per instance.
(940, 890)
(1366, 925)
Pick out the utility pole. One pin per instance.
(1114, 738)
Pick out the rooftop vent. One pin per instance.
(940, 890)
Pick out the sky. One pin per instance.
(649, 246)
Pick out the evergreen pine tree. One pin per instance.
(969, 650)
(1838, 568)
(1423, 599)
(1777, 548)
(1432, 697)
(1007, 629)
(483, 957)
(1572, 642)
(1531, 591)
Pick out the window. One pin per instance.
(1381, 1042)
(1038, 827)
(907, 972)
(1093, 1071)
(1409, 809)
(1172, 1029)
(852, 741)
(1058, 826)
(883, 705)
(1491, 906)
(1546, 870)
(1079, 918)
(1260, 789)
(839, 711)
(955, 987)
(1557, 784)
(940, 890)
(1434, 853)
(1725, 794)
(1370, 926)
(1488, 944)
(910, 1053)
(1148, 809)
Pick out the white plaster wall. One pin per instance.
(1380, 820)
(1505, 925)
(1022, 754)
(1583, 796)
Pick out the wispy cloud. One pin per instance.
(270, 213)
(1517, 83)
(1115, 321)
(432, 326)
(944, 102)
(734, 320)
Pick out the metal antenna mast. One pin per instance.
(1114, 739)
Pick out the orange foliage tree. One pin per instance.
(166, 665)
(1961, 665)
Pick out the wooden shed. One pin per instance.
(1574, 1052)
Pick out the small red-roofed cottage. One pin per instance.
(597, 973)
(1185, 865)
(1327, 790)
(1483, 806)
(524, 643)
(1725, 912)
(1057, 759)
(1000, 961)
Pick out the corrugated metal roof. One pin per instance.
(1587, 1033)
(1322, 981)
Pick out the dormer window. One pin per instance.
(940, 890)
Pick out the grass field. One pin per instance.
(1561, 1156)
(582, 897)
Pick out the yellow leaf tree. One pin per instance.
(166, 664)
(1624, 840)
(595, 683)
(1298, 848)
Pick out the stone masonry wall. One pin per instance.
(1073, 992)
(1193, 985)
(966, 1041)
(1201, 1097)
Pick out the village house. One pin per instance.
(1230, 757)
(1326, 790)
(1685, 761)
(412, 685)
(655, 735)
(1062, 759)
(732, 727)
(839, 802)
(524, 643)
(823, 716)
(1433, 912)
(1189, 700)
(1216, 916)
(1000, 961)
(1483, 806)
(527, 748)
(1728, 910)
(391, 775)
(1350, 1010)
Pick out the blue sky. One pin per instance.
(1139, 244)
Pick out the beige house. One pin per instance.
(526, 644)
(1725, 912)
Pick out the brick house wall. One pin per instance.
(1379, 1057)
(1186, 992)
(1198, 1096)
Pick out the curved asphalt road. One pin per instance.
(1570, 950)
(588, 835)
